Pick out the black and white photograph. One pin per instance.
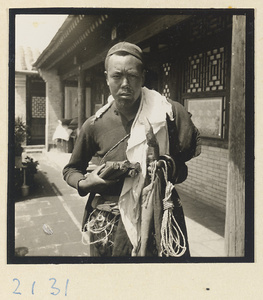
(131, 136)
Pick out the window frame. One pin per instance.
(224, 93)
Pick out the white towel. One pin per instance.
(155, 107)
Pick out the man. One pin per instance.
(117, 218)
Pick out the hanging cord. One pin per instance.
(100, 225)
(146, 191)
(113, 147)
(172, 238)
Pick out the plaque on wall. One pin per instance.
(207, 115)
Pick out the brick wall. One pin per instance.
(207, 177)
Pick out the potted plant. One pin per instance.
(20, 137)
(30, 166)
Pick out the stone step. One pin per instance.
(34, 148)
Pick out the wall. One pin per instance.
(71, 98)
(20, 96)
(54, 104)
(71, 102)
(207, 177)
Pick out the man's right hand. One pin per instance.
(93, 183)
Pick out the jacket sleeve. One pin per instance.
(82, 153)
(184, 140)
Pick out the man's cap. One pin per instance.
(128, 48)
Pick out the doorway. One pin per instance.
(36, 111)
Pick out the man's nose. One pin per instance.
(125, 81)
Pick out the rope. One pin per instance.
(100, 224)
(172, 238)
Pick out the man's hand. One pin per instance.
(159, 165)
(93, 183)
(165, 161)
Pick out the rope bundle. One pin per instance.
(172, 238)
(100, 225)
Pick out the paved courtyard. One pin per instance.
(53, 207)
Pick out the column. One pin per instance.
(81, 98)
(235, 204)
(54, 103)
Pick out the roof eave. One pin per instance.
(26, 72)
(46, 53)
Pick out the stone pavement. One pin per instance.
(56, 205)
(205, 227)
(59, 206)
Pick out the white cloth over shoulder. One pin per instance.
(154, 106)
(62, 132)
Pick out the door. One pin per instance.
(38, 120)
(36, 110)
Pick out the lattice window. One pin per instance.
(38, 107)
(166, 76)
(205, 71)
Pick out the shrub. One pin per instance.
(31, 169)
(31, 165)
(20, 135)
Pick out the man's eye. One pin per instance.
(116, 76)
(133, 76)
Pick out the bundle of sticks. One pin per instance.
(116, 169)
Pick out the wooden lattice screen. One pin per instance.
(166, 68)
(38, 107)
(205, 71)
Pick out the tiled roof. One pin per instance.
(25, 57)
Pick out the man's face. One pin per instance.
(125, 77)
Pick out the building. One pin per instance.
(189, 58)
(30, 95)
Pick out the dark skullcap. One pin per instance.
(128, 48)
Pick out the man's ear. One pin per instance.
(106, 76)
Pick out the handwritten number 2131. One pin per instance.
(55, 290)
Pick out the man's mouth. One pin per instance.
(126, 94)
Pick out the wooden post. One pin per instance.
(81, 98)
(235, 203)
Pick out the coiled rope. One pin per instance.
(172, 238)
